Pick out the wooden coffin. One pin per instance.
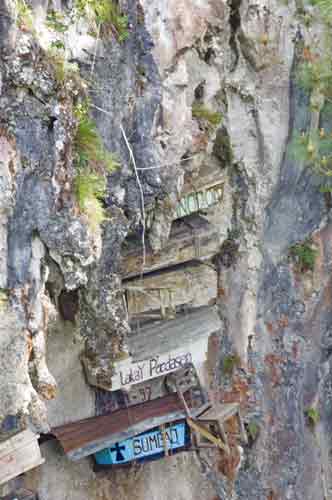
(19, 454)
(151, 445)
(202, 191)
(161, 294)
(191, 239)
(200, 200)
(87, 437)
(166, 346)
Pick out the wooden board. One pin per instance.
(221, 412)
(191, 239)
(196, 427)
(19, 454)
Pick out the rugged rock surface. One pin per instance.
(63, 319)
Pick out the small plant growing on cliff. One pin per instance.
(55, 22)
(3, 298)
(253, 430)
(229, 363)
(93, 161)
(24, 17)
(104, 15)
(64, 71)
(90, 188)
(201, 112)
(325, 7)
(313, 416)
(88, 143)
(315, 72)
(304, 254)
(314, 150)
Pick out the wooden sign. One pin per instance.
(19, 454)
(146, 446)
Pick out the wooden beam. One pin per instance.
(196, 427)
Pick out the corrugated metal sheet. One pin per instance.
(84, 437)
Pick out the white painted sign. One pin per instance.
(129, 372)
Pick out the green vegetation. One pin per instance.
(54, 21)
(313, 416)
(201, 112)
(24, 15)
(3, 298)
(88, 144)
(315, 72)
(105, 15)
(325, 7)
(314, 150)
(63, 70)
(253, 430)
(92, 161)
(304, 254)
(229, 363)
(90, 188)
(57, 45)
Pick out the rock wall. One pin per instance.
(195, 88)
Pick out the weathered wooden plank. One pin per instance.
(19, 454)
(208, 435)
(222, 412)
(191, 285)
(192, 239)
(16, 441)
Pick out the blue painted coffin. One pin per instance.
(146, 446)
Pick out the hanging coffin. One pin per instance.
(87, 437)
(166, 346)
(19, 454)
(163, 294)
(151, 445)
(191, 239)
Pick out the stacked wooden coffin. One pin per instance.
(18, 454)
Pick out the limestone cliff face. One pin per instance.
(197, 86)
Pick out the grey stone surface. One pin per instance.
(238, 59)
